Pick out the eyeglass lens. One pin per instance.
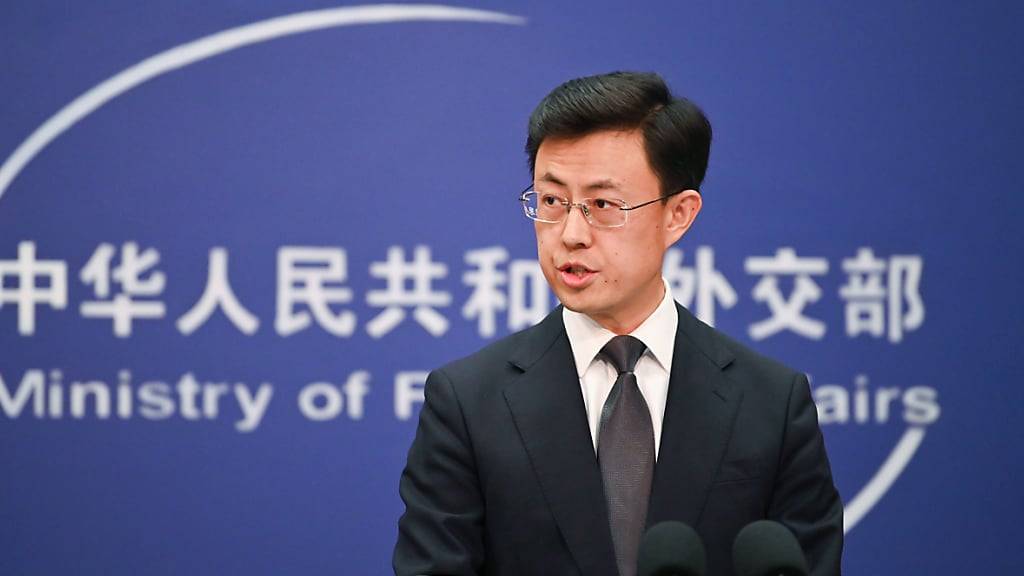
(553, 208)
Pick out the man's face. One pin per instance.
(612, 275)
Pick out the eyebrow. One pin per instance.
(604, 184)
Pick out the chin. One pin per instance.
(573, 306)
(570, 301)
(577, 304)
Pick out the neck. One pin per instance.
(625, 322)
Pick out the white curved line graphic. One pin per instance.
(883, 479)
(224, 41)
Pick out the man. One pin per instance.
(550, 451)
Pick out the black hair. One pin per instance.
(677, 134)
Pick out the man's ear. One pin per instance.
(681, 211)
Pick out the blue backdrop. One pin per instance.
(234, 237)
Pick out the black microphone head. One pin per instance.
(766, 548)
(671, 549)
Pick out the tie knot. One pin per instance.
(623, 352)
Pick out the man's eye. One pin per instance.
(602, 204)
(548, 200)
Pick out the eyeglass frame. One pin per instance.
(586, 211)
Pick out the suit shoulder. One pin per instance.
(735, 358)
(748, 357)
(493, 362)
(762, 378)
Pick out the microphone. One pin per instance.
(671, 549)
(766, 548)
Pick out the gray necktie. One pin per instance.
(625, 451)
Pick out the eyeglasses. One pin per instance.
(599, 212)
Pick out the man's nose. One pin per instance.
(576, 232)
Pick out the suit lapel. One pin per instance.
(547, 407)
(699, 414)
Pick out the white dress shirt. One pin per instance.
(657, 332)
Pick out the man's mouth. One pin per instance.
(576, 276)
(575, 269)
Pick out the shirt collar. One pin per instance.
(657, 332)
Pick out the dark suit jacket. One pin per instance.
(502, 477)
